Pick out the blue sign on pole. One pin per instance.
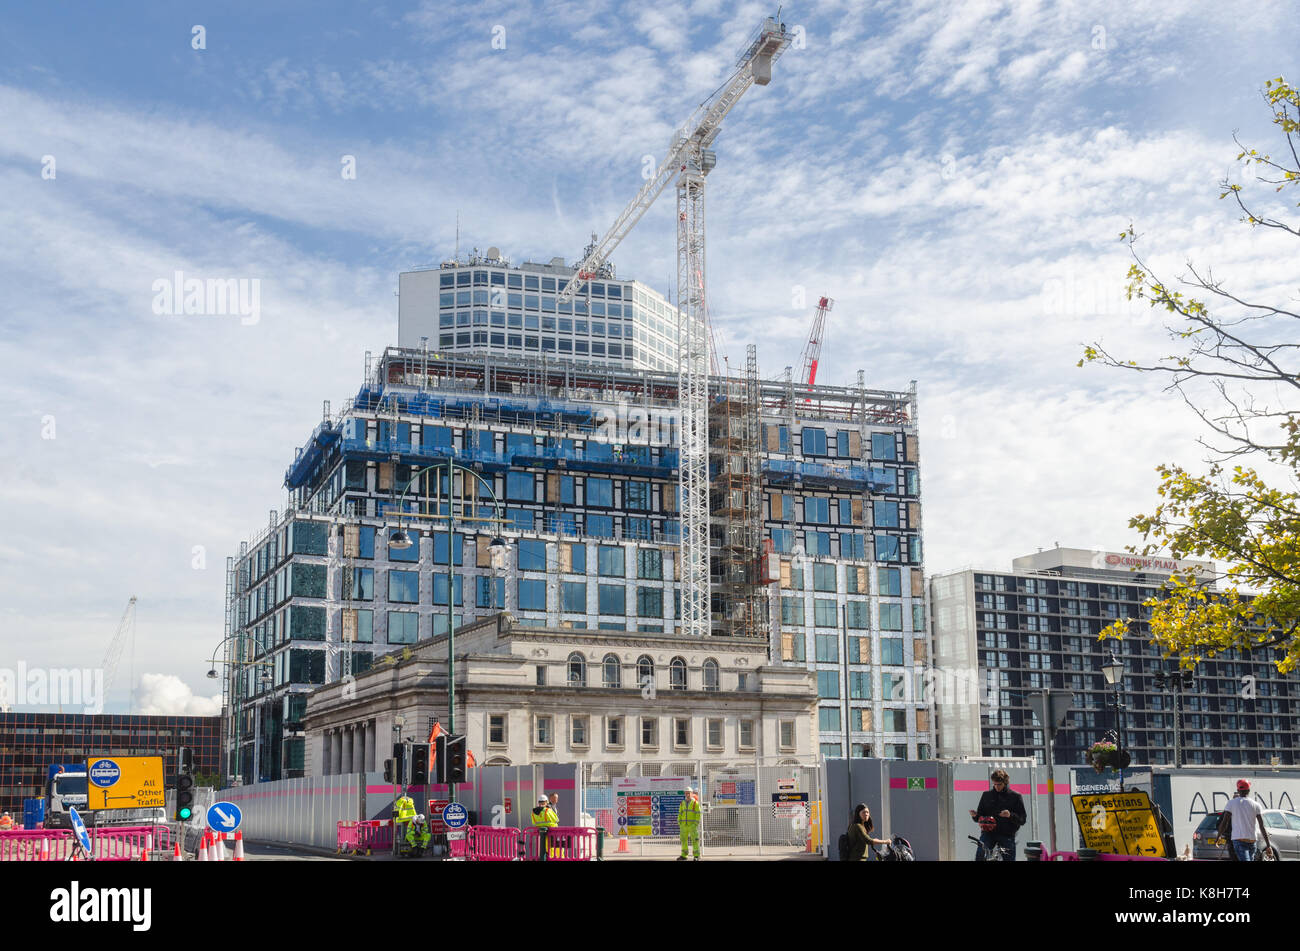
(104, 772)
(79, 830)
(454, 815)
(224, 817)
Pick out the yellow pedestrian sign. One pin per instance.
(125, 782)
(1119, 823)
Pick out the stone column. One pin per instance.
(325, 754)
(336, 752)
(372, 746)
(347, 750)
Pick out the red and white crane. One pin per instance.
(812, 350)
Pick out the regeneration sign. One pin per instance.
(1119, 823)
(647, 805)
(125, 782)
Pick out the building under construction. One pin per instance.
(814, 521)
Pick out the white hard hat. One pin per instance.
(420, 817)
(542, 799)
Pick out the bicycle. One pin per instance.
(987, 853)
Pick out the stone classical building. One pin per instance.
(529, 695)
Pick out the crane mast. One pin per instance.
(812, 351)
(689, 160)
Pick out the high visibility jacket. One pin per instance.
(422, 836)
(6, 822)
(688, 813)
(404, 809)
(545, 817)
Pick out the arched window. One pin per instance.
(677, 674)
(613, 671)
(645, 671)
(711, 674)
(577, 670)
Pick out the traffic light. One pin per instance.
(420, 764)
(399, 763)
(440, 759)
(1187, 679)
(388, 771)
(456, 749)
(184, 784)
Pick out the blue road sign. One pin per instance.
(104, 772)
(224, 817)
(454, 815)
(79, 829)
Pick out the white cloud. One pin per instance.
(167, 695)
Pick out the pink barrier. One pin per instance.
(563, 844)
(375, 835)
(367, 836)
(488, 844)
(109, 844)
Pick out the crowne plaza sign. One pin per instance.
(1147, 563)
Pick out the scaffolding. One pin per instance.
(740, 604)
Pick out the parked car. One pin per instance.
(1283, 831)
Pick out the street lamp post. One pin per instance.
(1113, 671)
(401, 538)
(235, 714)
(1176, 681)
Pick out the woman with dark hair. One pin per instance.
(860, 829)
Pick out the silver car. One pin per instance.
(1283, 832)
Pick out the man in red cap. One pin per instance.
(1246, 815)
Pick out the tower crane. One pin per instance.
(125, 632)
(812, 350)
(688, 161)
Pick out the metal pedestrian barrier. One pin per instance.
(563, 844)
(365, 837)
(489, 844)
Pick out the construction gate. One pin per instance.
(748, 808)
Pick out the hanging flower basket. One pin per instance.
(1102, 755)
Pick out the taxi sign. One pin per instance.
(454, 815)
(125, 782)
(79, 830)
(1119, 823)
(224, 816)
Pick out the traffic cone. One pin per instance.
(176, 851)
(221, 847)
(622, 844)
(45, 850)
(203, 848)
(239, 846)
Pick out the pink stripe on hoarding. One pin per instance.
(1062, 789)
(981, 785)
(900, 782)
(557, 784)
(519, 784)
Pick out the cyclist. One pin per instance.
(1007, 810)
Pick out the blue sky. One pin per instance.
(954, 174)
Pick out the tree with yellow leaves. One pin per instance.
(1239, 371)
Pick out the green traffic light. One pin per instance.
(185, 813)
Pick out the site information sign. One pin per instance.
(1119, 823)
(647, 805)
(125, 782)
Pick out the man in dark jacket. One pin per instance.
(1007, 810)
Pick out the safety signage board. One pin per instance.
(1119, 823)
(434, 816)
(224, 817)
(509, 805)
(786, 785)
(916, 782)
(730, 789)
(125, 782)
(786, 805)
(454, 815)
(647, 805)
(79, 830)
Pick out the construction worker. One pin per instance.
(6, 823)
(403, 813)
(544, 818)
(417, 836)
(688, 824)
